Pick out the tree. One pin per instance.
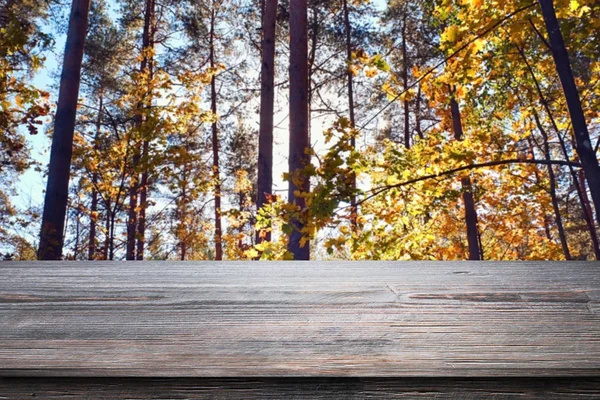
(57, 190)
(469, 202)
(267, 99)
(138, 187)
(299, 143)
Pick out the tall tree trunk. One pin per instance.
(554, 197)
(107, 233)
(215, 145)
(183, 216)
(469, 201)
(405, 83)
(134, 189)
(141, 232)
(299, 141)
(57, 189)
(267, 99)
(111, 255)
(93, 222)
(94, 205)
(350, 76)
(132, 212)
(585, 150)
(77, 226)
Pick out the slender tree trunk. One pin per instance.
(215, 145)
(182, 217)
(111, 255)
(585, 150)
(299, 140)
(554, 197)
(405, 82)
(350, 76)
(141, 233)
(267, 99)
(107, 233)
(57, 189)
(93, 223)
(132, 213)
(470, 211)
(418, 114)
(77, 226)
(94, 205)
(134, 189)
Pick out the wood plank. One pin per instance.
(299, 388)
(294, 319)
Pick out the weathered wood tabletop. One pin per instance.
(285, 320)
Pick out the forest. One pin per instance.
(299, 129)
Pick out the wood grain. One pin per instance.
(299, 388)
(294, 319)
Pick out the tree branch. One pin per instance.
(379, 190)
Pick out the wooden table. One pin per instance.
(342, 330)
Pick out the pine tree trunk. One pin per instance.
(299, 140)
(111, 255)
(134, 189)
(77, 229)
(57, 190)
(132, 213)
(405, 82)
(94, 205)
(267, 99)
(107, 233)
(183, 216)
(469, 201)
(92, 235)
(141, 233)
(215, 146)
(585, 150)
(350, 76)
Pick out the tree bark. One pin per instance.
(141, 228)
(215, 145)
(134, 189)
(107, 233)
(94, 205)
(353, 205)
(299, 141)
(267, 99)
(585, 150)
(469, 201)
(57, 190)
(405, 83)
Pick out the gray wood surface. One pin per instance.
(294, 319)
(299, 388)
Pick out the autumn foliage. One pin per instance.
(436, 130)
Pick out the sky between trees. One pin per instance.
(230, 129)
